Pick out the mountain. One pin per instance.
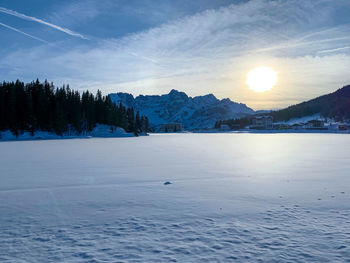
(334, 105)
(194, 113)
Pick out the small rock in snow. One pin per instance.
(167, 183)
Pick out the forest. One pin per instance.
(42, 106)
(335, 105)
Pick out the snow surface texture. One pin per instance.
(194, 113)
(233, 198)
(99, 131)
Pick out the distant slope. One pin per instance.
(194, 113)
(333, 105)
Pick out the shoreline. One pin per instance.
(52, 136)
(272, 131)
(101, 131)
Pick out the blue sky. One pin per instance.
(200, 47)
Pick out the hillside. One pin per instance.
(194, 113)
(334, 105)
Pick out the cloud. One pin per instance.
(334, 50)
(210, 52)
(31, 18)
(24, 33)
(74, 13)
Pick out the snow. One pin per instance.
(233, 197)
(106, 131)
(194, 113)
(303, 119)
(100, 130)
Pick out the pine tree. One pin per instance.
(41, 106)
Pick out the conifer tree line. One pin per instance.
(42, 106)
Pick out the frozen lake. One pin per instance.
(233, 197)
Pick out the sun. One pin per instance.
(261, 79)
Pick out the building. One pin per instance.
(284, 126)
(338, 127)
(171, 127)
(343, 127)
(333, 127)
(315, 125)
(224, 127)
(297, 126)
(264, 122)
(235, 127)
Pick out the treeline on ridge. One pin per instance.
(42, 106)
(335, 105)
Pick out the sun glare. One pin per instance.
(261, 79)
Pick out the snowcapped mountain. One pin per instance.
(194, 113)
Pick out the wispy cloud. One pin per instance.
(24, 33)
(334, 50)
(31, 18)
(211, 52)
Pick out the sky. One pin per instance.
(199, 47)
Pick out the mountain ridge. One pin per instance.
(331, 105)
(197, 112)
